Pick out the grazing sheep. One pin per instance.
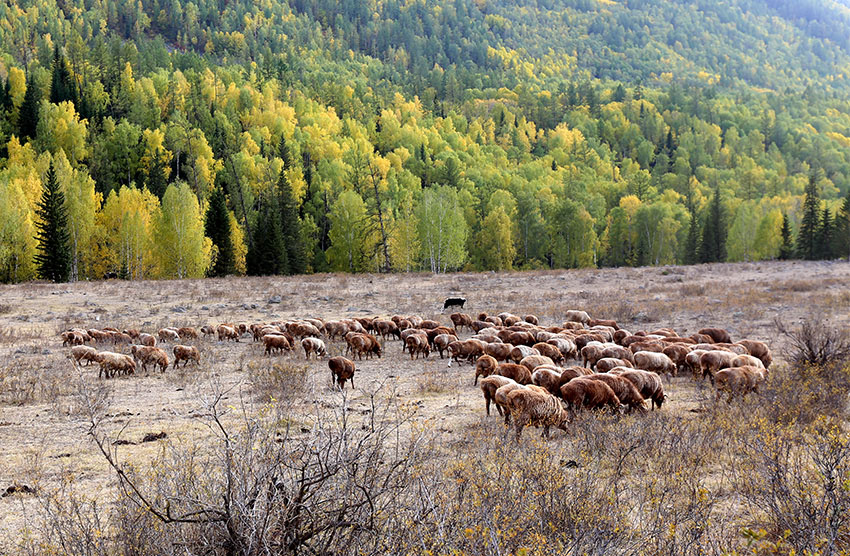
(186, 354)
(84, 353)
(717, 335)
(501, 352)
(577, 316)
(584, 392)
(494, 321)
(150, 355)
(533, 361)
(417, 344)
(484, 367)
(677, 354)
(701, 338)
(460, 320)
(468, 350)
(758, 349)
(617, 352)
(655, 362)
(168, 335)
(98, 336)
(573, 372)
(521, 338)
(207, 330)
(650, 345)
(521, 352)
(187, 332)
(550, 351)
(112, 363)
(342, 369)
(364, 344)
(454, 302)
(739, 380)
(302, 330)
(625, 391)
(536, 409)
(276, 342)
(132, 332)
(520, 373)
(313, 345)
(712, 361)
(146, 339)
(386, 328)
(226, 332)
(601, 322)
(566, 346)
(607, 363)
(747, 361)
(532, 319)
(692, 361)
(648, 384)
(489, 385)
(502, 400)
(547, 378)
(590, 354)
(72, 338)
(442, 341)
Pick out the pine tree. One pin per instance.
(807, 236)
(692, 244)
(217, 228)
(157, 181)
(824, 237)
(53, 260)
(713, 247)
(841, 241)
(267, 253)
(786, 250)
(290, 224)
(28, 113)
(62, 87)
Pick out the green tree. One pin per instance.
(62, 86)
(28, 113)
(157, 180)
(690, 254)
(17, 244)
(741, 243)
(786, 250)
(267, 252)
(53, 260)
(82, 203)
(825, 236)
(713, 246)
(442, 229)
(290, 224)
(347, 236)
(184, 251)
(807, 234)
(842, 229)
(217, 228)
(497, 248)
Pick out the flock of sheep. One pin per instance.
(522, 365)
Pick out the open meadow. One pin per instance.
(263, 454)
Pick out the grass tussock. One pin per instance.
(276, 380)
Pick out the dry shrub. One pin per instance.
(433, 382)
(814, 343)
(274, 379)
(692, 290)
(25, 380)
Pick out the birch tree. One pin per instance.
(183, 250)
(442, 229)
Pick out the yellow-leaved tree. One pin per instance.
(82, 203)
(17, 233)
(183, 250)
(127, 221)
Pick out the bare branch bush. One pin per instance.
(814, 343)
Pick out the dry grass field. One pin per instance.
(692, 478)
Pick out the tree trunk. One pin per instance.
(384, 246)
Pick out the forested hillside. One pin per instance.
(182, 139)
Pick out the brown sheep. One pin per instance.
(652, 345)
(758, 349)
(276, 342)
(313, 345)
(747, 361)
(547, 378)
(150, 355)
(460, 320)
(712, 361)
(584, 339)
(442, 341)
(603, 322)
(187, 332)
(226, 332)
(549, 351)
(168, 335)
(132, 332)
(532, 319)
(618, 352)
(98, 336)
(429, 324)
(648, 384)
(207, 330)
(479, 325)
(573, 372)
(701, 338)
(739, 380)
(302, 330)
(533, 361)
(567, 347)
(518, 373)
(484, 367)
(495, 321)
(583, 392)
(590, 354)
(84, 353)
(717, 335)
(501, 352)
(489, 385)
(147, 339)
(72, 338)
(387, 328)
(112, 363)
(417, 344)
(532, 408)
(625, 391)
(361, 344)
(692, 361)
(520, 338)
(521, 352)
(502, 400)
(607, 363)
(677, 353)
(468, 350)
(655, 362)
(342, 369)
(186, 354)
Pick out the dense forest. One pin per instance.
(173, 138)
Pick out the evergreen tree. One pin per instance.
(217, 228)
(157, 181)
(6, 96)
(267, 253)
(786, 250)
(53, 260)
(692, 243)
(62, 87)
(807, 236)
(841, 241)
(713, 247)
(290, 224)
(825, 236)
(28, 113)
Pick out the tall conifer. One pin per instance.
(53, 260)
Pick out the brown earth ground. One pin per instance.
(43, 433)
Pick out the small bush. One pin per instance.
(815, 343)
(273, 379)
